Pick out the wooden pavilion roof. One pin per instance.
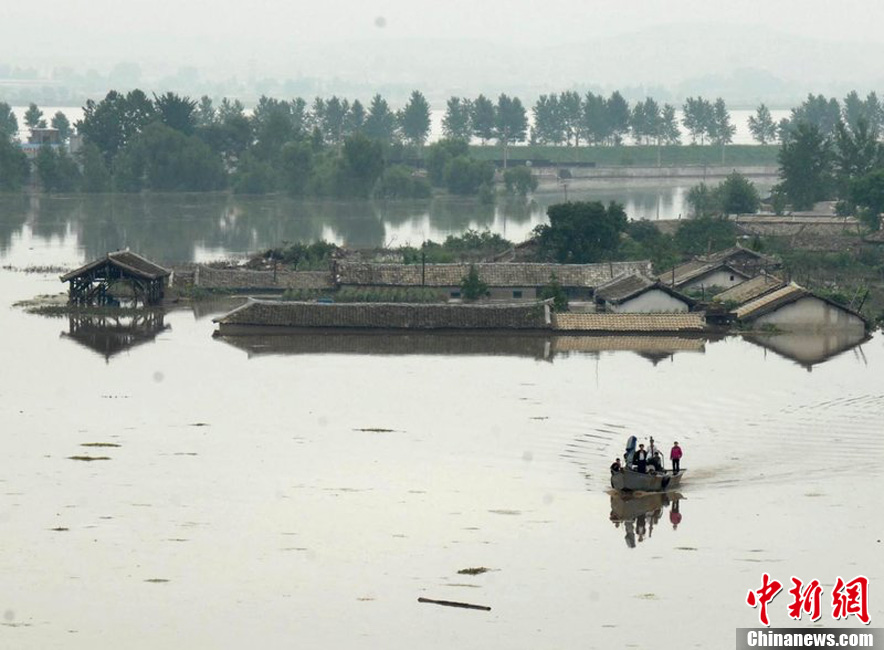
(125, 260)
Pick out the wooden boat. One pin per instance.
(654, 479)
(629, 480)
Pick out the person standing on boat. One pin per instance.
(641, 459)
(675, 456)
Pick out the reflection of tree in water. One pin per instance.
(13, 214)
(640, 514)
(456, 215)
(109, 334)
(518, 210)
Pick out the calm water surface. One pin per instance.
(272, 493)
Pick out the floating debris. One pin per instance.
(648, 596)
(685, 548)
(198, 424)
(59, 529)
(506, 512)
(99, 444)
(89, 458)
(157, 580)
(453, 603)
(375, 430)
(474, 571)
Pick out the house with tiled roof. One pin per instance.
(712, 273)
(636, 293)
(693, 322)
(505, 280)
(794, 308)
(740, 294)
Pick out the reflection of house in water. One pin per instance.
(109, 335)
(810, 348)
(640, 514)
(477, 343)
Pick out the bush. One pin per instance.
(399, 182)
(519, 180)
(472, 287)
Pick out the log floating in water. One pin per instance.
(452, 603)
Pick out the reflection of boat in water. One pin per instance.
(631, 478)
(640, 513)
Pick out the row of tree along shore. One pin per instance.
(337, 148)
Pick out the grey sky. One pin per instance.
(286, 38)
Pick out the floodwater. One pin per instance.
(271, 493)
(203, 227)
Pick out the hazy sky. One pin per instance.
(272, 36)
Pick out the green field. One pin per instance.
(677, 155)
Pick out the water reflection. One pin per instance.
(173, 228)
(808, 349)
(110, 334)
(639, 514)
(534, 346)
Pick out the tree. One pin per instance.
(702, 200)
(205, 112)
(571, 111)
(96, 177)
(737, 195)
(296, 167)
(618, 116)
(697, 118)
(56, 170)
(645, 121)
(857, 153)
(8, 123)
(439, 154)
(703, 234)
(33, 117)
(721, 131)
(354, 122)
(61, 123)
(548, 125)
(511, 123)
(868, 192)
(177, 112)
(363, 161)
(554, 291)
(414, 119)
(466, 177)
(114, 121)
(380, 123)
(596, 120)
(14, 166)
(669, 131)
(483, 118)
(762, 126)
(581, 232)
(805, 160)
(456, 123)
(471, 286)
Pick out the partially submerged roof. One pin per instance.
(502, 274)
(750, 289)
(629, 286)
(785, 295)
(690, 322)
(128, 261)
(695, 270)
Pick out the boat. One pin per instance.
(654, 479)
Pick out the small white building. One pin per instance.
(637, 294)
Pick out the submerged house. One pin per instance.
(506, 280)
(91, 283)
(706, 278)
(710, 274)
(794, 308)
(740, 294)
(637, 294)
